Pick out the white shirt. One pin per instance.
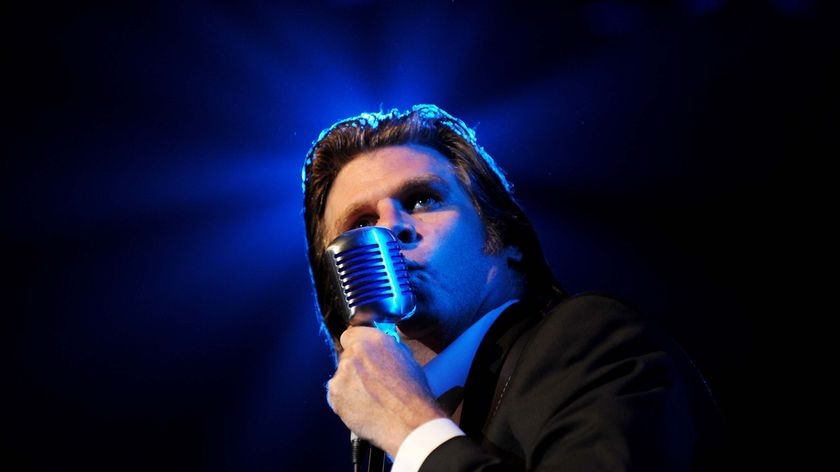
(447, 370)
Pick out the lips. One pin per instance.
(412, 265)
(416, 276)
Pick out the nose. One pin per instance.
(400, 222)
(406, 233)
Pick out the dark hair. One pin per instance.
(427, 125)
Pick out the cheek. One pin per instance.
(454, 237)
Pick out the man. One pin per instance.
(498, 369)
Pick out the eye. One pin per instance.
(361, 222)
(424, 201)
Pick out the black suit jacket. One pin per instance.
(585, 385)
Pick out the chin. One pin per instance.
(419, 325)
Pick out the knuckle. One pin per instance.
(347, 336)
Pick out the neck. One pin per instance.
(424, 352)
(425, 343)
(421, 352)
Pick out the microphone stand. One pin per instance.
(376, 459)
(376, 456)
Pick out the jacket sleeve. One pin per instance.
(594, 390)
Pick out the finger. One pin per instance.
(355, 334)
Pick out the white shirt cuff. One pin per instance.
(422, 441)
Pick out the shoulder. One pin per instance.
(590, 308)
(598, 330)
(588, 345)
(595, 381)
(582, 323)
(592, 353)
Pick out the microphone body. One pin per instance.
(371, 276)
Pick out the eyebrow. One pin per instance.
(406, 187)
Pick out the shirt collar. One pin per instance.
(450, 368)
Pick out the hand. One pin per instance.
(378, 390)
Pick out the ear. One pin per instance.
(513, 254)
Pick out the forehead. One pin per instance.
(380, 173)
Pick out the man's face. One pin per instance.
(413, 190)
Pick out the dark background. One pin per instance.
(157, 290)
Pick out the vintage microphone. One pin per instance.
(371, 277)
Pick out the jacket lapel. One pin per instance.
(483, 385)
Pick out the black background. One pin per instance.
(158, 298)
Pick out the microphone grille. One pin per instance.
(370, 273)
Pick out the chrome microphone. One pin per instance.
(371, 276)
